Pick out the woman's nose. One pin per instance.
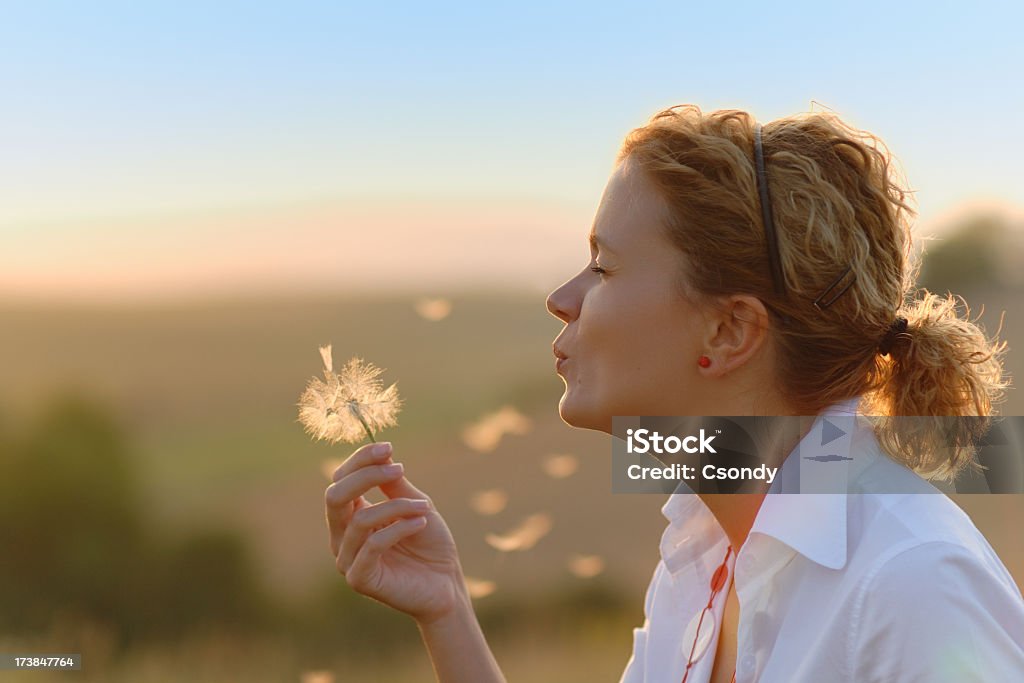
(559, 303)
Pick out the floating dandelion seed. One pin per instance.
(317, 677)
(479, 588)
(329, 466)
(433, 309)
(586, 566)
(348, 405)
(489, 501)
(561, 466)
(524, 536)
(485, 434)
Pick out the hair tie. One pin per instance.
(898, 326)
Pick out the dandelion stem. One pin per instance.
(355, 411)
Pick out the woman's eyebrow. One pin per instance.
(598, 243)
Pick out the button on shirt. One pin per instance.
(834, 587)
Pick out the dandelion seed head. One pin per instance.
(325, 353)
(344, 405)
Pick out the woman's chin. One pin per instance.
(567, 410)
(580, 417)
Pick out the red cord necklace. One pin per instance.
(718, 580)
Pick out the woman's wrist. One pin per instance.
(461, 604)
(456, 644)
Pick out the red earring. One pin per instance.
(704, 362)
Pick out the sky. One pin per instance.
(170, 149)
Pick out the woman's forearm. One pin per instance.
(458, 649)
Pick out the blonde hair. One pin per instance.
(837, 202)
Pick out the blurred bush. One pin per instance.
(983, 250)
(203, 581)
(78, 543)
(569, 609)
(72, 522)
(336, 621)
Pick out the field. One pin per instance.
(206, 393)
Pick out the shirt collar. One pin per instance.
(813, 524)
(692, 529)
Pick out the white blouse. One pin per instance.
(837, 587)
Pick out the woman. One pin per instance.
(737, 270)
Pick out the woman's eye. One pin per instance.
(598, 269)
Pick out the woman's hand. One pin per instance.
(398, 551)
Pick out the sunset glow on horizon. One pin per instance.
(187, 150)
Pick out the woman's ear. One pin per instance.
(737, 332)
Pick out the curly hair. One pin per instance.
(837, 202)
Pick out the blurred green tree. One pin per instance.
(205, 579)
(78, 541)
(334, 619)
(967, 258)
(72, 522)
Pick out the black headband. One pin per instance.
(821, 303)
(766, 215)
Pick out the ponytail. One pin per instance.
(940, 370)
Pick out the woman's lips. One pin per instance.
(561, 357)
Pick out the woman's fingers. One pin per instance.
(367, 520)
(336, 529)
(401, 487)
(365, 567)
(371, 453)
(339, 496)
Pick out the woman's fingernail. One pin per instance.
(393, 468)
(421, 504)
(382, 448)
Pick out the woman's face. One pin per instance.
(631, 340)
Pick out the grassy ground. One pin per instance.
(586, 657)
(206, 394)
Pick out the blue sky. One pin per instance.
(139, 112)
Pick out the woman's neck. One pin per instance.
(736, 512)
